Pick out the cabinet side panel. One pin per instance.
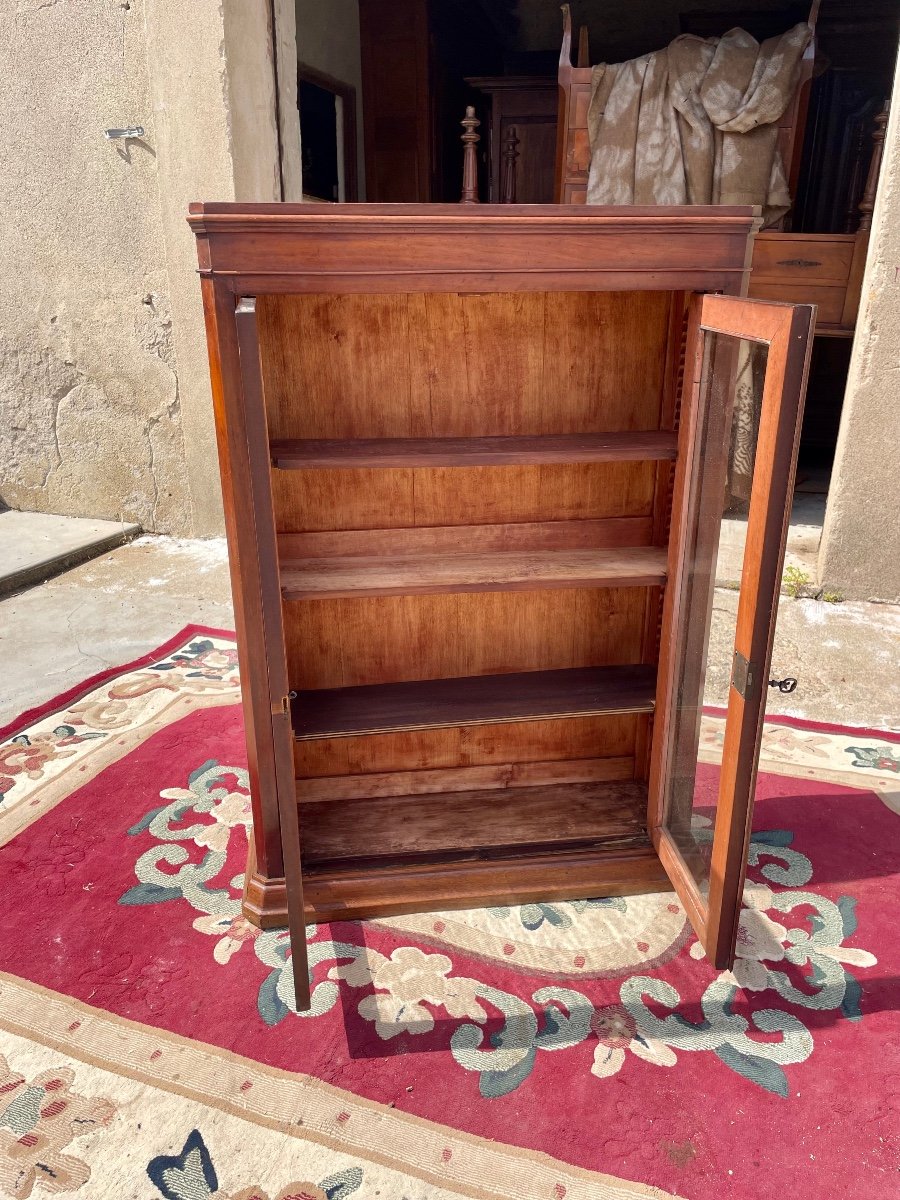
(670, 416)
(235, 434)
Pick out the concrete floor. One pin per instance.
(106, 612)
(119, 606)
(36, 546)
(845, 658)
(802, 551)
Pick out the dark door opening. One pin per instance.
(327, 136)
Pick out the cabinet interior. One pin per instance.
(471, 496)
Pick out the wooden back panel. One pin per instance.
(464, 365)
(445, 365)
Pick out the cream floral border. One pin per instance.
(119, 715)
(402, 1155)
(810, 754)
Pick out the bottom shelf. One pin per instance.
(474, 825)
(391, 888)
(384, 856)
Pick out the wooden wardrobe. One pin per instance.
(474, 462)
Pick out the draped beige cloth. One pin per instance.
(695, 123)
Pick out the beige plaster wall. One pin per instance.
(288, 113)
(860, 548)
(90, 414)
(105, 408)
(328, 39)
(213, 107)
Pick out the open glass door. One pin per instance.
(742, 406)
(266, 687)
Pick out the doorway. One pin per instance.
(327, 136)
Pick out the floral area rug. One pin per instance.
(151, 1048)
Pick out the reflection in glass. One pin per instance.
(732, 388)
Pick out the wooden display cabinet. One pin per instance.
(474, 463)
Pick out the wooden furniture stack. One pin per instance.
(523, 108)
(573, 149)
(825, 269)
(472, 460)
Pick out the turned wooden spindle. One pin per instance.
(470, 140)
(508, 173)
(860, 137)
(867, 204)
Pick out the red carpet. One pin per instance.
(587, 1032)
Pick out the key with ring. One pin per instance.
(785, 685)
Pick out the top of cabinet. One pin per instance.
(264, 248)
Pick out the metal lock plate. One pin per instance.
(743, 675)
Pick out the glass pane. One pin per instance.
(733, 378)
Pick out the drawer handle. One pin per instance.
(798, 262)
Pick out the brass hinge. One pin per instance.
(283, 707)
(743, 675)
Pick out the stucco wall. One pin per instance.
(105, 408)
(91, 417)
(328, 39)
(213, 111)
(860, 550)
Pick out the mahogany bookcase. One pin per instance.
(474, 463)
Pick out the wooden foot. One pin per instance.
(265, 902)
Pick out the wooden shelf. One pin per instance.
(329, 578)
(472, 452)
(476, 824)
(350, 889)
(472, 700)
